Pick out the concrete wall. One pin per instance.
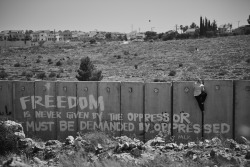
(15, 44)
(54, 110)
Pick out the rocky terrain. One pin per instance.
(208, 58)
(99, 149)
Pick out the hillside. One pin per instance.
(208, 58)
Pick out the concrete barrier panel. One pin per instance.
(6, 96)
(242, 109)
(132, 97)
(46, 110)
(157, 109)
(110, 96)
(67, 110)
(187, 117)
(218, 114)
(88, 105)
(24, 106)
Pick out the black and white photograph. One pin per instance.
(124, 83)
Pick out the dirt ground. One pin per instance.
(208, 58)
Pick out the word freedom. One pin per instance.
(66, 102)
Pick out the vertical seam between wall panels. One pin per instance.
(13, 100)
(56, 93)
(143, 111)
(233, 109)
(120, 89)
(172, 106)
(34, 110)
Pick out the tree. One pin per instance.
(201, 27)
(108, 36)
(214, 26)
(87, 71)
(193, 25)
(150, 35)
(181, 27)
(185, 28)
(125, 37)
(248, 20)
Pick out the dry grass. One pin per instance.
(209, 58)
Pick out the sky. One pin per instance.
(118, 15)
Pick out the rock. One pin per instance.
(99, 148)
(25, 143)
(169, 146)
(216, 141)
(49, 153)
(14, 162)
(38, 147)
(244, 140)
(15, 128)
(247, 155)
(212, 153)
(69, 140)
(136, 152)
(53, 143)
(191, 144)
(190, 154)
(38, 161)
(157, 141)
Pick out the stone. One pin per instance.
(212, 153)
(14, 162)
(216, 141)
(69, 140)
(191, 144)
(247, 155)
(136, 152)
(53, 143)
(25, 143)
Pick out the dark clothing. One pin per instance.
(201, 99)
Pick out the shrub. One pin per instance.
(248, 60)
(159, 80)
(209, 34)
(38, 61)
(41, 75)
(3, 74)
(52, 74)
(92, 41)
(172, 73)
(126, 52)
(59, 63)
(87, 71)
(17, 64)
(182, 36)
(8, 140)
(41, 43)
(49, 60)
(169, 36)
(29, 74)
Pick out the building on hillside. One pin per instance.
(4, 36)
(134, 35)
(12, 35)
(92, 34)
(191, 31)
(225, 28)
(100, 35)
(67, 35)
(41, 35)
(82, 36)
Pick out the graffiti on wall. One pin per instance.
(88, 114)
